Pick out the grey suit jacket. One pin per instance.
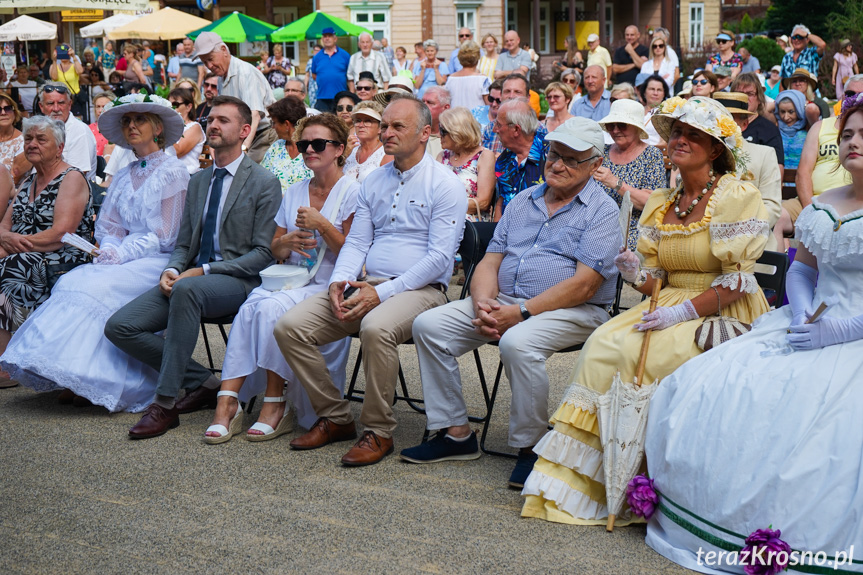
(246, 226)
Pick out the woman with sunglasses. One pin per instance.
(369, 154)
(660, 63)
(463, 153)
(844, 66)
(366, 87)
(192, 86)
(11, 140)
(345, 103)
(188, 148)
(559, 97)
(468, 87)
(62, 344)
(283, 158)
(726, 57)
(704, 83)
(302, 227)
(572, 78)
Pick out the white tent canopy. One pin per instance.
(26, 28)
(102, 27)
(54, 5)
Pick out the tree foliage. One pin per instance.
(784, 14)
(847, 21)
(767, 51)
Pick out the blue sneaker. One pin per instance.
(523, 467)
(442, 448)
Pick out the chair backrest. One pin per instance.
(480, 234)
(206, 158)
(789, 184)
(774, 281)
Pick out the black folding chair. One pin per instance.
(773, 284)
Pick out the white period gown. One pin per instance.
(747, 435)
(62, 344)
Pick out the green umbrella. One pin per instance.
(311, 26)
(237, 27)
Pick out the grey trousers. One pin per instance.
(443, 334)
(311, 323)
(134, 326)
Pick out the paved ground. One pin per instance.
(76, 496)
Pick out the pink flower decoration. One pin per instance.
(641, 496)
(765, 553)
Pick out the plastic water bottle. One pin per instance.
(310, 262)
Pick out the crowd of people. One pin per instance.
(351, 189)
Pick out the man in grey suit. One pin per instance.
(224, 242)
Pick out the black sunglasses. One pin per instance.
(318, 145)
(364, 88)
(616, 126)
(702, 82)
(348, 108)
(723, 41)
(443, 131)
(176, 105)
(50, 88)
(213, 86)
(464, 35)
(494, 100)
(659, 45)
(848, 94)
(6, 109)
(798, 37)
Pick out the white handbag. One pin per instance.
(280, 277)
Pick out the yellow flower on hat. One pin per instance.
(672, 104)
(727, 126)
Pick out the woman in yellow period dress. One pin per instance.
(701, 239)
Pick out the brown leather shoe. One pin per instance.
(370, 449)
(156, 421)
(324, 432)
(197, 399)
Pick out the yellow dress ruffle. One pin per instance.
(567, 483)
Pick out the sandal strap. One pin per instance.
(218, 428)
(280, 399)
(262, 427)
(233, 394)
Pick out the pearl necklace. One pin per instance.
(682, 215)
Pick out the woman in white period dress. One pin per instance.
(765, 430)
(304, 218)
(62, 344)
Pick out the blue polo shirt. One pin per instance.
(332, 72)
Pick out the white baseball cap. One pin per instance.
(592, 38)
(579, 134)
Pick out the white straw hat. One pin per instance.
(626, 112)
(109, 121)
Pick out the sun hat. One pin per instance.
(776, 68)
(398, 85)
(686, 89)
(580, 134)
(592, 38)
(710, 117)
(784, 38)
(734, 102)
(206, 42)
(109, 121)
(844, 43)
(800, 73)
(365, 110)
(724, 36)
(626, 112)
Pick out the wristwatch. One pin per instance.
(524, 313)
(619, 185)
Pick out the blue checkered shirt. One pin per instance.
(540, 251)
(809, 58)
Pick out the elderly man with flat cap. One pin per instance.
(545, 283)
(240, 80)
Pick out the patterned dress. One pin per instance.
(289, 170)
(9, 149)
(355, 169)
(646, 172)
(469, 175)
(734, 62)
(23, 283)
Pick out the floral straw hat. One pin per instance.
(109, 121)
(710, 117)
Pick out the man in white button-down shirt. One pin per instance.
(407, 227)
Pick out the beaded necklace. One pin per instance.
(682, 215)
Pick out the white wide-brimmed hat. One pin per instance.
(626, 112)
(109, 121)
(707, 115)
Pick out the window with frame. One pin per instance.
(375, 19)
(284, 15)
(466, 18)
(511, 15)
(696, 25)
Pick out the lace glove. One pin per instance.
(800, 287)
(629, 265)
(663, 317)
(107, 256)
(826, 331)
